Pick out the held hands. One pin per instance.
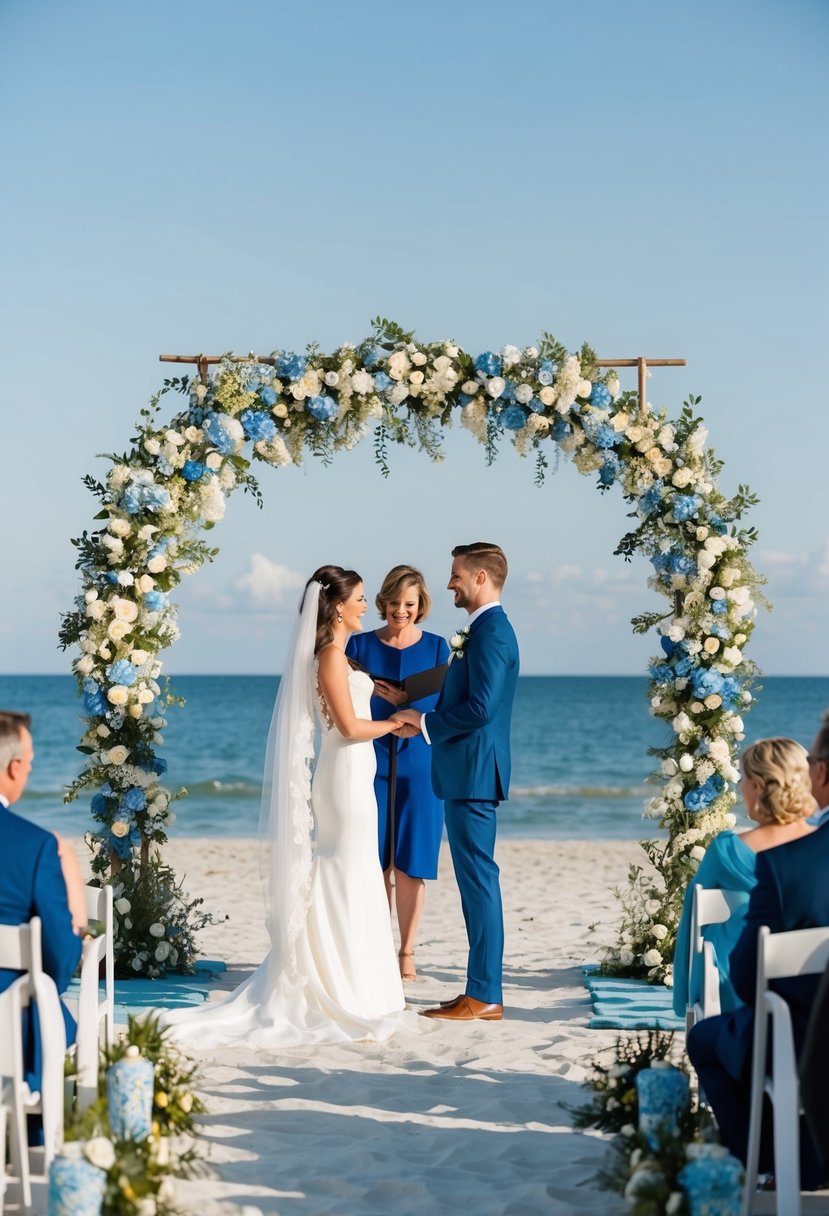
(395, 696)
(403, 730)
(411, 721)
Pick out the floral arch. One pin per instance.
(159, 498)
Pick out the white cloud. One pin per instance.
(266, 584)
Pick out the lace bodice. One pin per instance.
(361, 687)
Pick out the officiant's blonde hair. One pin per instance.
(395, 583)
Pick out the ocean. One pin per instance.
(579, 750)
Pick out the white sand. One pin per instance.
(459, 1117)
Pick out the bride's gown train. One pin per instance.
(349, 987)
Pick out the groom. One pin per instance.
(469, 733)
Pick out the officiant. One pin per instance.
(410, 817)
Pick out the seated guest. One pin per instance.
(31, 880)
(791, 892)
(776, 791)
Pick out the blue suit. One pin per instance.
(470, 735)
(31, 884)
(792, 892)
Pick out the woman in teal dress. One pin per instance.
(777, 793)
(399, 648)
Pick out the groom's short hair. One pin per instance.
(481, 555)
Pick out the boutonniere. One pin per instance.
(457, 643)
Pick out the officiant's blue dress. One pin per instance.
(418, 814)
(728, 865)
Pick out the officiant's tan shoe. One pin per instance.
(466, 1009)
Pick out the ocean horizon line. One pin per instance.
(525, 675)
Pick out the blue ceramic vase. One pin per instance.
(76, 1187)
(130, 1097)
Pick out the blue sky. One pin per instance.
(256, 175)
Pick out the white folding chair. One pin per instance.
(5, 1111)
(16, 1093)
(95, 1011)
(779, 956)
(711, 906)
(20, 950)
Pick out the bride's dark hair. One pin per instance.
(336, 586)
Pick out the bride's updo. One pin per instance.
(336, 586)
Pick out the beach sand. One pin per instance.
(457, 1117)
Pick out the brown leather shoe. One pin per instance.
(466, 1009)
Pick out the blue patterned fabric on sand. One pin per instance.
(626, 1004)
(418, 814)
(130, 1098)
(76, 1187)
(728, 865)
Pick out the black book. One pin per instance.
(419, 684)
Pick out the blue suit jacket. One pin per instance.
(31, 884)
(792, 892)
(469, 729)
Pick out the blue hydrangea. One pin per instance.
(670, 648)
(257, 425)
(94, 701)
(268, 395)
(154, 601)
(680, 564)
(684, 667)
(156, 498)
(220, 438)
(720, 631)
(600, 396)
(371, 358)
(322, 408)
(717, 524)
(662, 674)
(700, 796)
(508, 392)
(610, 470)
(706, 682)
(488, 363)
(651, 499)
(132, 499)
(604, 436)
(536, 405)
(112, 577)
(291, 367)
(121, 846)
(134, 799)
(560, 429)
(100, 806)
(546, 371)
(122, 672)
(731, 692)
(685, 507)
(193, 470)
(514, 417)
(719, 607)
(382, 382)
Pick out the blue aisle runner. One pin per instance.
(171, 992)
(625, 1004)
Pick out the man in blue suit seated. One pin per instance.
(792, 892)
(469, 731)
(31, 881)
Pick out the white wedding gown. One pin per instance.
(349, 986)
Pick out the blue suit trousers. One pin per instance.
(470, 827)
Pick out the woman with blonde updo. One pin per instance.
(777, 793)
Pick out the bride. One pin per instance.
(331, 974)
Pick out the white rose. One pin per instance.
(665, 439)
(101, 1152)
(626, 957)
(547, 395)
(660, 932)
(397, 394)
(732, 655)
(96, 610)
(398, 365)
(118, 695)
(585, 388)
(104, 651)
(682, 478)
(123, 609)
(523, 394)
(117, 630)
(139, 657)
(416, 377)
(701, 533)
(652, 958)
(686, 762)
(102, 731)
(717, 593)
(85, 665)
(716, 544)
(652, 906)
(135, 711)
(362, 383)
(157, 929)
(706, 560)
(152, 445)
(711, 645)
(676, 632)
(161, 951)
(116, 755)
(122, 906)
(669, 767)
(470, 387)
(739, 596)
(495, 386)
(119, 527)
(681, 724)
(156, 564)
(119, 828)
